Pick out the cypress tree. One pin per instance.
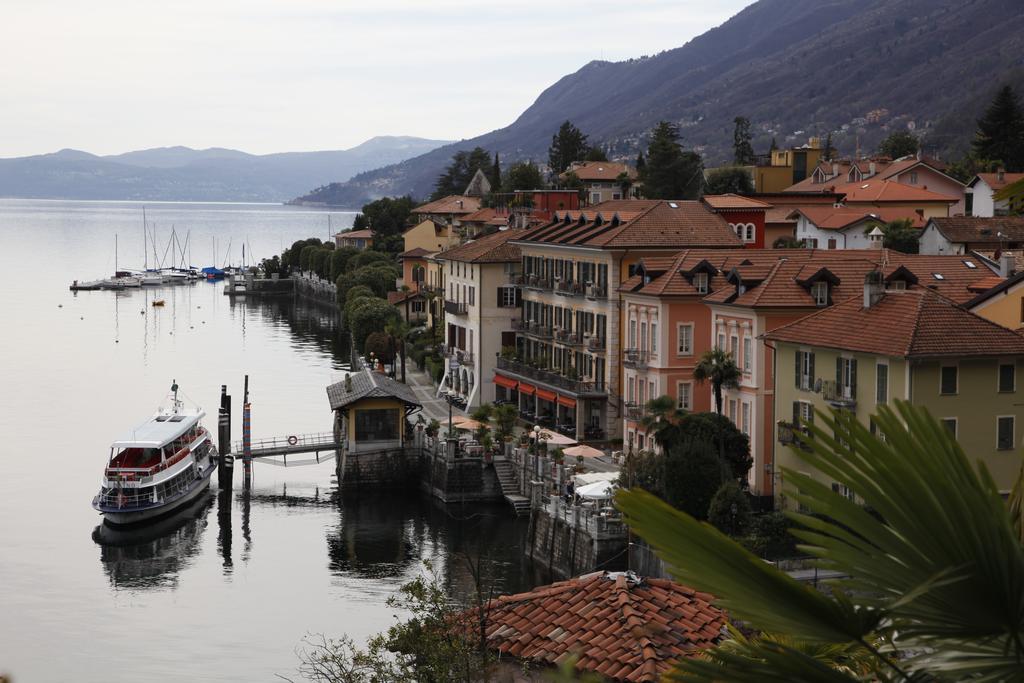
(640, 163)
(569, 144)
(671, 173)
(1000, 132)
(495, 175)
(826, 153)
(743, 151)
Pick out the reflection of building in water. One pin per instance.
(377, 536)
(309, 321)
(154, 555)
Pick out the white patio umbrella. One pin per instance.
(555, 439)
(582, 451)
(599, 490)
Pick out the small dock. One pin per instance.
(289, 445)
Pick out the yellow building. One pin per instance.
(786, 167)
(430, 235)
(1003, 304)
(371, 412)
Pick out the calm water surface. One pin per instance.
(227, 590)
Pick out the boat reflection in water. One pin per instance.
(152, 556)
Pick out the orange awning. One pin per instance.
(546, 395)
(525, 388)
(505, 382)
(566, 401)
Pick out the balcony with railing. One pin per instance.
(568, 337)
(568, 288)
(456, 307)
(635, 358)
(550, 377)
(634, 411)
(788, 435)
(595, 344)
(463, 356)
(539, 330)
(839, 395)
(597, 291)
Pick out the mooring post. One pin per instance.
(225, 463)
(246, 438)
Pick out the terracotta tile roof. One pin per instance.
(915, 323)
(903, 165)
(355, 234)
(730, 201)
(418, 252)
(832, 218)
(974, 229)
(453, 204)
(606, 171)
(986, 283)
(487, 217)
(399, 297)
(1002, 286)
(875, 190)
(993, 181)
(993, 256)
(780, 278)
(493, 248)
(620, 626)
(638, 223)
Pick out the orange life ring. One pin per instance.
(292, 440)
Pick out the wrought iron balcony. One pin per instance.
(456, 307)
(540, 330)
(464, 357)
(635, 358)
(568, 338)
(597, 292)
(634, 411)
(838, 395)
(595, 344)
(551, 377)
(568, 288)
(537, 282)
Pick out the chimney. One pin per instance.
(873, 288)
(1007, 264)
(1001, 174)
(876, 237)
(871, 168)
(835, 169)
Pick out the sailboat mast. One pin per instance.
(115, 254)
(145, 253)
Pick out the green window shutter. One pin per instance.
(839, 371)
(853, 378)
(796, 364)
(810, 369)
(796, 413)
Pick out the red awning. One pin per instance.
(527, 389)
(546, 395)
(566, 401)
(505, 382)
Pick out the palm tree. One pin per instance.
(398, 330)
(660, 418)
(718, 367)
(932, 556)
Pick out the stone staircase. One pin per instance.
(510, 488)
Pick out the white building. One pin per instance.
(980, 200)
(828, 227)
(481, 303)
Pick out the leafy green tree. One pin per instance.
(742, 150)
(686, 475)
(595, 154)
(522, 176)
(388, 215)
(625, 183)
(339, 261)
(306, 256)
(730, 179)
(718, 367)
(381, 345)
(901, 235)
(932, 556)
(348, 295)
(1000, 132)
(571, 181)
(671, 173)
(457, 175)
(661, 418)
(505, 417)
(569, 144)
(729, 510)
(788, 242)
(641, 164)
(369, 315)
(899, 144)
(970, 165)
(368, 257)
(272, 266)
(732, 444)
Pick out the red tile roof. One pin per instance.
(915, 323)
(486, 216)
(977, 230)
(600, 171)
(786, 286)
(452, 204)
(418, 252)
(875, 190)
(993, 181)
(832, 218)
(730, 201)
(637, 223)
(355, 235)
(620, 626)
(493, 248)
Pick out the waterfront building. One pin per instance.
(915, 345)
(728, 300)
(602, 180)
(565, 369)
(357, 239)
(535, 631)
(371, 412)
(981, 190)
(481, 305)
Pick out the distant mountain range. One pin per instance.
(185, 174)
(795, 68)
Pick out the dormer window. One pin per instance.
(898, 285)
(700, 282)
(819, 290)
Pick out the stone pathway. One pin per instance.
(433, 407)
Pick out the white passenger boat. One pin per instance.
(159, 466)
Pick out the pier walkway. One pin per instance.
(289, 445)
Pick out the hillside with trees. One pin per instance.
(857, 69)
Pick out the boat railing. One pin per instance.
(184, 448)
(126, 499)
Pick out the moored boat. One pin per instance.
(162, 464)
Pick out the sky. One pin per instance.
(110, 76)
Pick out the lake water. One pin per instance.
(228, 591)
